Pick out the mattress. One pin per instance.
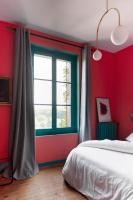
(101, 171)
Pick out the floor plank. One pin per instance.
(47, 185)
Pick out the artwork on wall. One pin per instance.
(5, 90)
(103, 110)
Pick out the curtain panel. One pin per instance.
(85, 106)
(22, 137)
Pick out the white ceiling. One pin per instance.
(73, 19)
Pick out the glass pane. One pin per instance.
(42, 67)
(63, 70)
(43, 117)
(63, 94)
(42, 92)
(63, 116)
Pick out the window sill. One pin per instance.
(56, 134)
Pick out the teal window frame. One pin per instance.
(55, 54)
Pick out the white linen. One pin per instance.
(113, 145)
(101, 174)
(130, 137)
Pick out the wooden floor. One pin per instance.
(47, 185)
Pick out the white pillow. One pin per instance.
(130, 137)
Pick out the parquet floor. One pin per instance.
(47, 185)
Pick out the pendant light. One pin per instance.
(118, 36)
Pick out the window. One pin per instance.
(55, 91)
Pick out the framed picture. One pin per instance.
(103, 110)
(5, 90)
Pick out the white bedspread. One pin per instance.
(101, 170)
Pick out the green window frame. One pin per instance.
(74, 113)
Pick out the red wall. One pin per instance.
(57, 147)
(49, 148)
(123, 91)
(102, 83)
(113, 77)
(6, 69)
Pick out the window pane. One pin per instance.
(42, 92)
(63, 116)
(43, 117)
(42, 67)
(63, 94)
(63, 70)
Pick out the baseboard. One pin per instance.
(51, 163)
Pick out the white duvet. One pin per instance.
(101, 170)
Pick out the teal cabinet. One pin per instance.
(106, 130)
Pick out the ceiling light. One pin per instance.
(118, 36)
(97, 55)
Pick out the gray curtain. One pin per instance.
(23, 130)
(85, 108)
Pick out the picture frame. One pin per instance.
(103, 109)
(5, 90)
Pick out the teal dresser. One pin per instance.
(106, 130)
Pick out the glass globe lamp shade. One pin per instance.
(97, 55)
(119, 35)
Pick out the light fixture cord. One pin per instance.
(107, 5)
(107, 11)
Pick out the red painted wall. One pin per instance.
(57, 147)
(123, 91)
(102, 83)
(113, 77)
(49, 148)
(7, 38)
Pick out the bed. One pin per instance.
(101, 170)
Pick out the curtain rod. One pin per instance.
(52, 39)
